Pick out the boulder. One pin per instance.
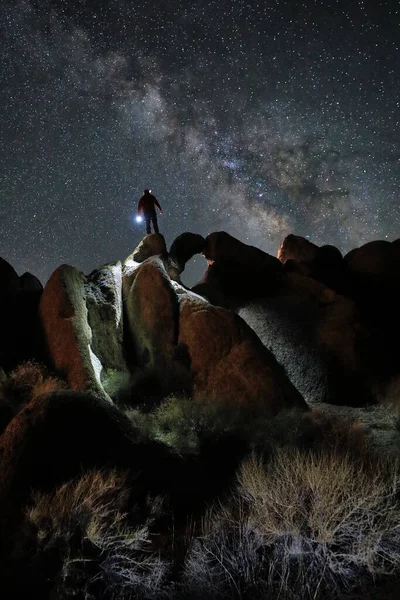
(315, 334)
(224, 249)
(68, 334)
(376, 263)
(9, 279)
(152, 310)
(228, 362)
(21, 334)
(151, 245)
(295, 247)
(30, 283)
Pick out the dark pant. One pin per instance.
(149, 217)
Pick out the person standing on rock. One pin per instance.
(147, 206)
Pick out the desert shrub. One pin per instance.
(303, 526)
(28, 381)
(188, 426)
(117, 384)
(82, 543)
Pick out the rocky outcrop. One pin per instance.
(330, 322)
(188, 345)
(184, 247)
(236, 271)
(9, 279)
(325, 263)
(21, 334)
(152, 310)
(30, 283)
(83, 323)
(375, 264)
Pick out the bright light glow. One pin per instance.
(139, 219)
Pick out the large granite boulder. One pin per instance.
(30, 283)
(316, 335)
(152, 311)
(103, 292)
(83, 323)
(151, 245)
(227, 361)
(325, 263)
(224, 249)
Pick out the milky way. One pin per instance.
(257, 118)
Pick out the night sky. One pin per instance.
(257, 118)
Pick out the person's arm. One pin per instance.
(140, 208)
(156, 203)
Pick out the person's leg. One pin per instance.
(147, 218)
(155, 223)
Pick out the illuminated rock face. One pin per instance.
(151, 245)
(83, 322)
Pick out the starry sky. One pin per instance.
(260, 118)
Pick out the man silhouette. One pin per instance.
(147, 206)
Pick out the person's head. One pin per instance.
(147, 191)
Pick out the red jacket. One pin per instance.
(147, 204)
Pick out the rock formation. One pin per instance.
(328, 321)
(21, 333)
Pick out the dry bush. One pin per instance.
(81, 540)
(28, 381)
(94, 501)
(304, 526)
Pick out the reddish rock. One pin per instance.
(295, 247)
(228, 362)
(152, 310)
(65, 321)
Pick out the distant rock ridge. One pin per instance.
(307, 326)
